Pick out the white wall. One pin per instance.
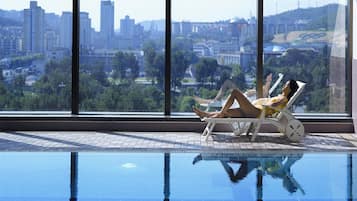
(354, 67)
(355, 29)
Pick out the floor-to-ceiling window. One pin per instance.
(308, 41)
(122, 56)
(35, 55)
(213, 46)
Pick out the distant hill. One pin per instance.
(11, 18)
(12, 14)
(9, 22)
(318, 18)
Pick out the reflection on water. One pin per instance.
(177, 176)
(277, 166)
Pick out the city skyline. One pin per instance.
(183, 10)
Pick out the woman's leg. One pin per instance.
(201, 100)
(236, 112)
(228, 84)
(246, 107)
(203, 114)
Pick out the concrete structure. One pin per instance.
(228, 59)
(66, 30)
(51, 40)
(10, 41)
(107, 17)
(127, 27)
(175, 30)
(107, 21)
(85, 30)
(58, 54)
(105, 57)
(34, 28)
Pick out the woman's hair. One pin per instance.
(289, 185)
(293, 88)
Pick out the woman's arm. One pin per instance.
(278, 100)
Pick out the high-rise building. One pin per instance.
(33, 28)
(85, 30)
(186, 28)
(66, 30)
(107, 21)
(51, 40)
(127, 27)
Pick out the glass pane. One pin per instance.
(213, 51)
(306, 41)
(122, 55)
(35, 55)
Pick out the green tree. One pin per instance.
(238, 76)
(126, 66)
(150, 53)
(206, 69)
(181, 57)
(309, 66)
(159, 69)
(97, 73)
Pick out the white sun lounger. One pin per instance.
(283, 120)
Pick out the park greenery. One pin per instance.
(122, 91)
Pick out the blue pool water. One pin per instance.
(177, 176)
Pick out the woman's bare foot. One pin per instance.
(200, 113)
(218, 115)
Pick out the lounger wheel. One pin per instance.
(294, 130)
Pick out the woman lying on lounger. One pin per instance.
(252, 109)
(230, 85)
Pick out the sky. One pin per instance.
(188, 10)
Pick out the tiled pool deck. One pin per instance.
(169, 141)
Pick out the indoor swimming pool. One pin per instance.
(55, 176)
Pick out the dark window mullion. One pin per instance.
(75, 58)
(349, 55)
(168, 58)
(260, 41)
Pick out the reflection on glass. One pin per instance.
(211, 53)
(35, 56)
(122, 56)
(307, 41)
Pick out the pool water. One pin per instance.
(53, 176)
